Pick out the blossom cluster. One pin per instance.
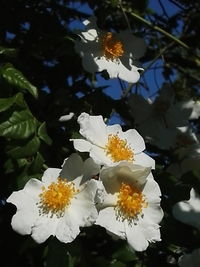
(113, 188)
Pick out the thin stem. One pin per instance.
(170, 36)
(125, 16)
(157, 57)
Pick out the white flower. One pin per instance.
(194, 106)
(59, 204)
(192, 259)
(188, 212)
(108, 144)
(188, 152)
(160, 121)
(131, 205)
(115, 52)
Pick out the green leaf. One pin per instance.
(117, 264)
(16, 78)
(20, 124)
(11, 164)
(124, 254)
(58, 255)
(37, 163)
(8, 51)
(6, 103)
(27, 150)
(42, 133)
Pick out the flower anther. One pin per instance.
(130, 202)
(56, 197)
(112, 48)
(118, 149)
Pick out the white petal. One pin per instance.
(107, 219)
(153, 213)
(90, 22)
(20, 199)
(66, 117)
(82, 212)
(23, 221)
(152, 190)
(117, 69)
(144, 160)
(109, 200)
(109, 65)
(99, 156)
(90, 35)
(125, 172)
(26, 213)
(72, 167)
(68, 229)
(130, 76)
(90, 169)
(135, 237)
(44, 227)
(81, 145)
(151, 231)
(87, 59)
(114, 129)
(93, 129)
(132, 44)
(135, 140)
(50, 175)
(188, 211)
(33, 188)
(84, 204)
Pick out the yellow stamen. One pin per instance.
(56, 197)
(118, 149)
(130, 202)
(112, 48)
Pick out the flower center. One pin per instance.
(130, 202)
(56, 197)
(118, 149)
(112, 48)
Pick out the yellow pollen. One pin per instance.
(56, 197)
(112, 48)
(118, 149)
(130, 202)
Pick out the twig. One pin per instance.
(157, 28)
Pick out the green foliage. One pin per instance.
(18, 125)
(16, 79)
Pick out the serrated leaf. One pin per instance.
(16, 78)
(27, 150)
(42, 133)
(20, 124)
(6, 103)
